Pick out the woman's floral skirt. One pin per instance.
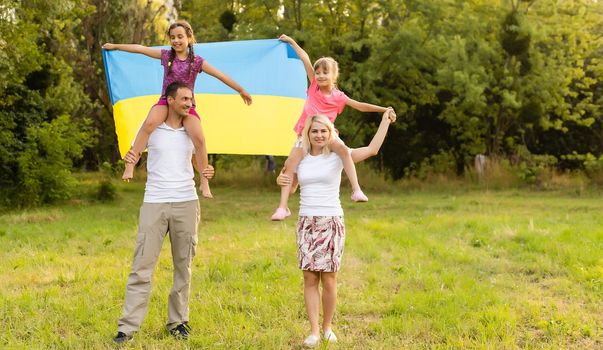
(320, 241)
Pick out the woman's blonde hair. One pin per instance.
(328, 64)
(306, 146)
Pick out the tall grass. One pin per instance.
(446, 268)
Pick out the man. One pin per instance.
(170, 205)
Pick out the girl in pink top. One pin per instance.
(180, 64)
(323, 98)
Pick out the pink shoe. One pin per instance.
(359, 196)
(280, 214)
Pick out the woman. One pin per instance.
(320, 227)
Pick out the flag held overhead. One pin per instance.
(268, 69)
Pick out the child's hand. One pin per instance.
(286, 39)
(208, 172)
(386, 117)
(391, 114)
(246, 97)
(109, 46)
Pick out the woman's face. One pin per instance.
(319, 135)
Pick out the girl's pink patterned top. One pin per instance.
(180, 71)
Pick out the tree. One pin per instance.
(510, 78)
(40, 137)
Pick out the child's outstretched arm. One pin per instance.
(303, 55)
(134, 48)
(214, 72)
(366, 107)
(155, 117)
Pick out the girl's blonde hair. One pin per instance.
(328, 64)
(191, 41)
(306, 146)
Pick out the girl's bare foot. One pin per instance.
(205, 191)
(128, 172)
(359, 196)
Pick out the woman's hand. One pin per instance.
(109, 46)
(390, 114)
(283, 180)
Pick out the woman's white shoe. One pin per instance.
(311, 341)
(329, 336)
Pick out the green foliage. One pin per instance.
(437, 164)
(503, 78)
(38, 169)
(515, 37)
(106, 191)
(593, 166)
(228, 20)
(41, 113)
(491, 77)
(536, 169)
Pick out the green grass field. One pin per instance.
(450, 269)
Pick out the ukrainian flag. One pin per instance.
(268, 69)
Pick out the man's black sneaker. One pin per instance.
(181, 331)
(122, 337)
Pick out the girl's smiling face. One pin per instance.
(178, 39)
(324, 78)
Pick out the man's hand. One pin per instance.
(131, 157)
(208, 172)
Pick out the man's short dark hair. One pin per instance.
(171, 89)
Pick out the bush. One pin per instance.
(441, 164)
(37, 168)
(106, 192)
(537, 169)
(593, 167)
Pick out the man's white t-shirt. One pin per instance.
(319, 180)
(170, 174)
